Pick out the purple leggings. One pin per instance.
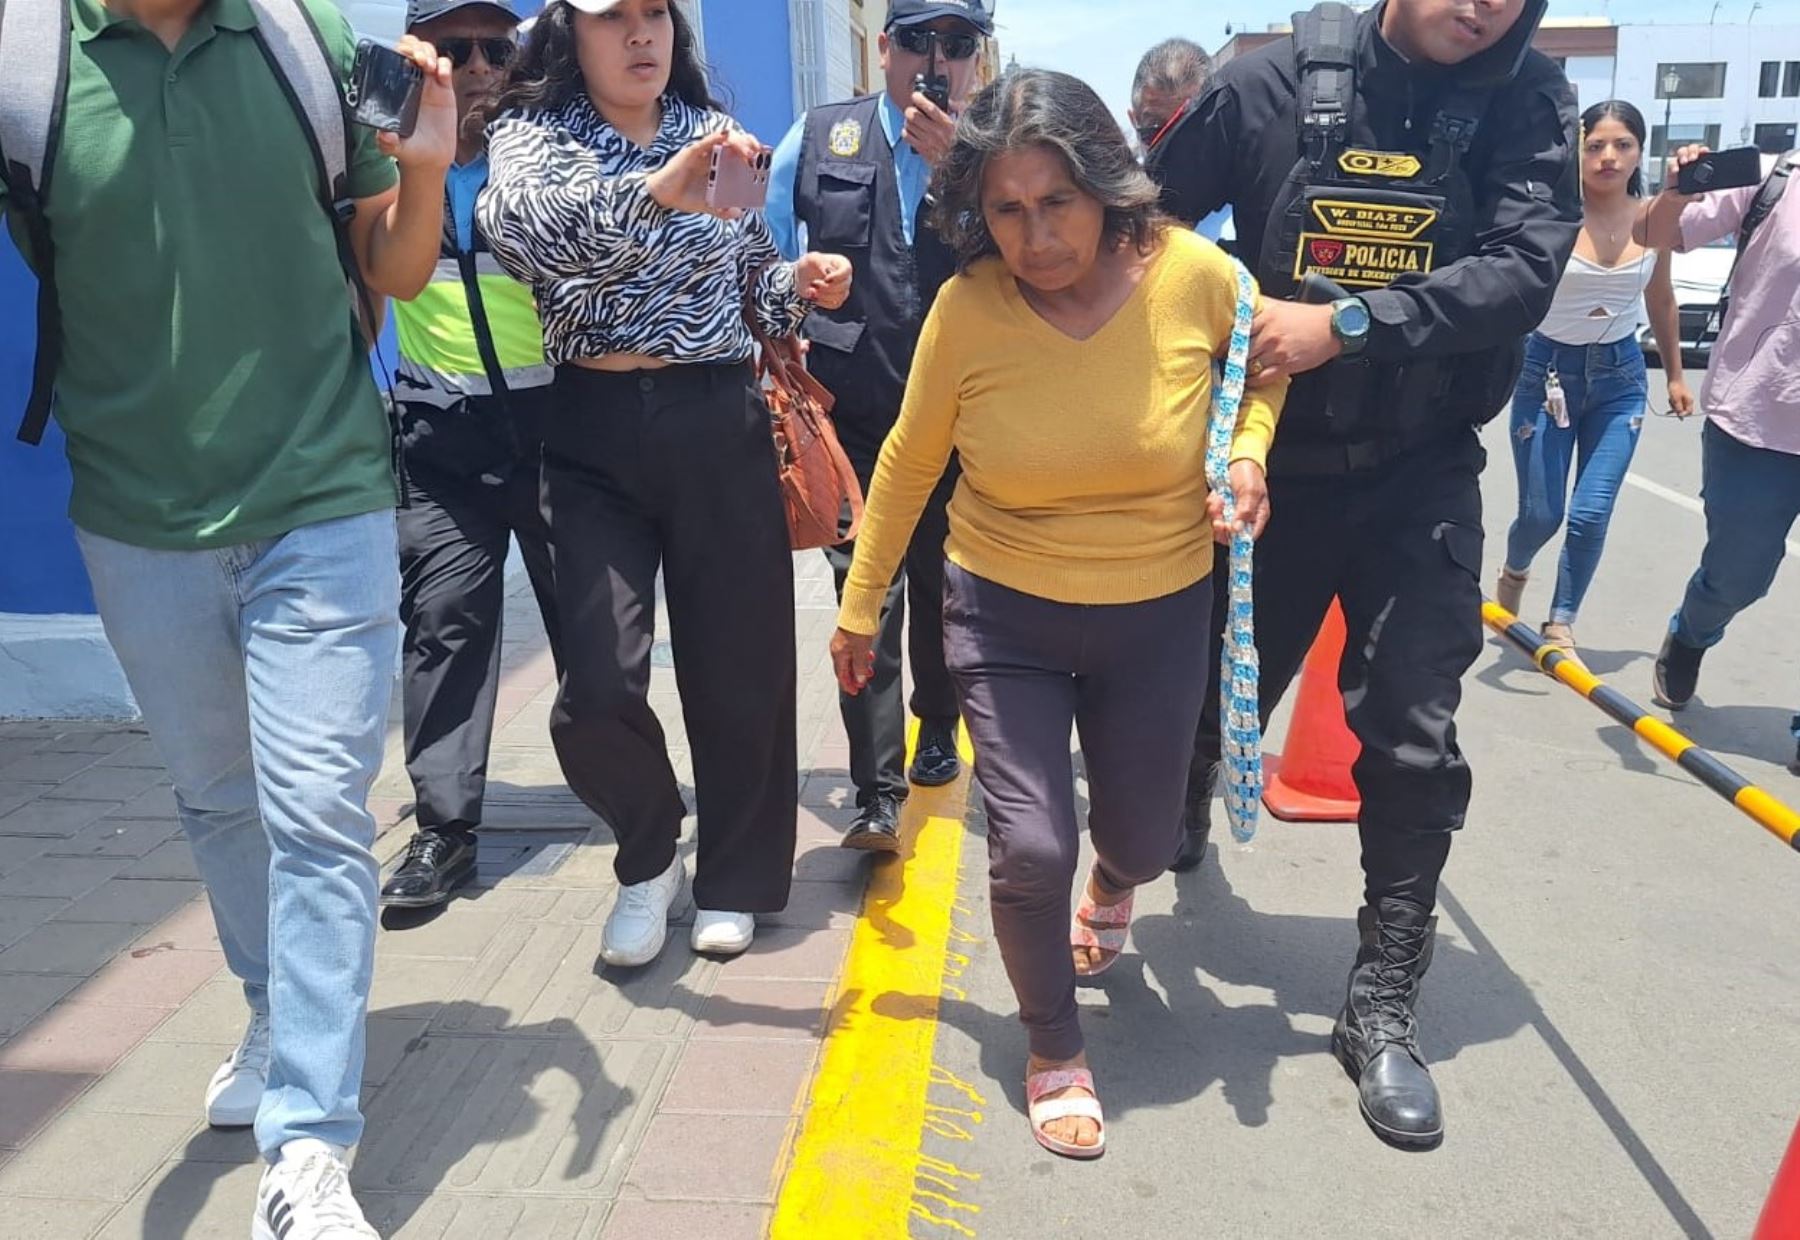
(1130, 679)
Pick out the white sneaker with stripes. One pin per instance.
(306, 1196)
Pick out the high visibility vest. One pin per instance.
(473, 331)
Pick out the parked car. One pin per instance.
(1699, 278)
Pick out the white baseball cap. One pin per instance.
(594, 6)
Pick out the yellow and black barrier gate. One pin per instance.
(1768, 812)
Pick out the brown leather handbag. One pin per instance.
(816, 477)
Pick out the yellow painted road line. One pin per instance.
(856, 1167)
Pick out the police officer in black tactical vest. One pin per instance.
(853, 176)
(1405, 181)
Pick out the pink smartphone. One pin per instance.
(733, 182)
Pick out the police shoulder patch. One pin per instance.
(846, 138)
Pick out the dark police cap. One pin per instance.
(978, 13)
(420, 11)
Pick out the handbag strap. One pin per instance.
(1240, 723)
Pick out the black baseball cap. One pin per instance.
(978, 13)
(419, 12)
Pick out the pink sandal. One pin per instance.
(1041, 1113)
(1101, 925)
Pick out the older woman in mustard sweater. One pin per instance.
(1069, 365)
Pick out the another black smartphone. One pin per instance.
(384, 89)
(1718, 170)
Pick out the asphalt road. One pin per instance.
(1614, 1010)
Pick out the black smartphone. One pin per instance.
(1718, 170)
(384, 89)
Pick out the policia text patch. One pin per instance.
(1365, 244)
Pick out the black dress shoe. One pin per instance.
(877, 828)
(935, 764)
(436, 864)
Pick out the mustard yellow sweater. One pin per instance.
(1083, 461)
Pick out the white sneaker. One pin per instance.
(722, 934)
(306, 1196)
(640, 917)
(236, 1089)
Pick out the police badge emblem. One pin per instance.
(846, 138)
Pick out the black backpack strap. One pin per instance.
(1325, 65)
(1767, 195)
(34, 64)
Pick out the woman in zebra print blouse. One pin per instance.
(658, 455)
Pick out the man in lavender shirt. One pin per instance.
(1751, 442)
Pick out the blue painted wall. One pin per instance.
(747, 44)
(40, 569)
(752, 63)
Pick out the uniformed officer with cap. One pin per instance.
(472, 387)
(1413, 170)
(851, 177)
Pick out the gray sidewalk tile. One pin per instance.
(685, 1220)
(114, 837)
(31, 1219)
(60, 819)
(74, 948)
(454, 1216)
(215, 1015)
(152, 803)
(139, 901)
(14, 793)
(60, 1163)
(187, 1199)
(751, 1078)
(24, 997)
(108, 783)
(47, 768)
(20, 915)
(60, 877)
(171, 860)
(158, 1078)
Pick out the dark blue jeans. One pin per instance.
(1607, 392)
(1752, 501)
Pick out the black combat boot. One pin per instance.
(1377, 1036)
(1196, 823)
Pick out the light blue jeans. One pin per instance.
(1607, 391)
(1752, 500)
(264, 672)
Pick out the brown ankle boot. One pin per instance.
(1509, 591)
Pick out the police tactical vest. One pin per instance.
(1365, 219)
(473, 331)
(847, 194)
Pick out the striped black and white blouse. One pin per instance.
(566, 210)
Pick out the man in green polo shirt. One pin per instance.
(234, 503)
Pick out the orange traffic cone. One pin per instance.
(1312, 782)
(1781, 1212)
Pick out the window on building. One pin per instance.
(1692, 80)
(1768, 81)
(1790, 81)
(1775, 139)
(1681, 135)
(859, 54)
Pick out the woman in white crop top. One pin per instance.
(1581, 397)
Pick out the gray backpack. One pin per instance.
(34, 67)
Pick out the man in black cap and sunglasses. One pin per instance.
(852, 177)
(471, 386)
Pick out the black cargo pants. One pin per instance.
(1400, 545)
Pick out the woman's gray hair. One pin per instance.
(1039, 107)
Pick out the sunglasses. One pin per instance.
(951, 46)
(499, 51)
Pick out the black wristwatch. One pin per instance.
(1350, 320)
